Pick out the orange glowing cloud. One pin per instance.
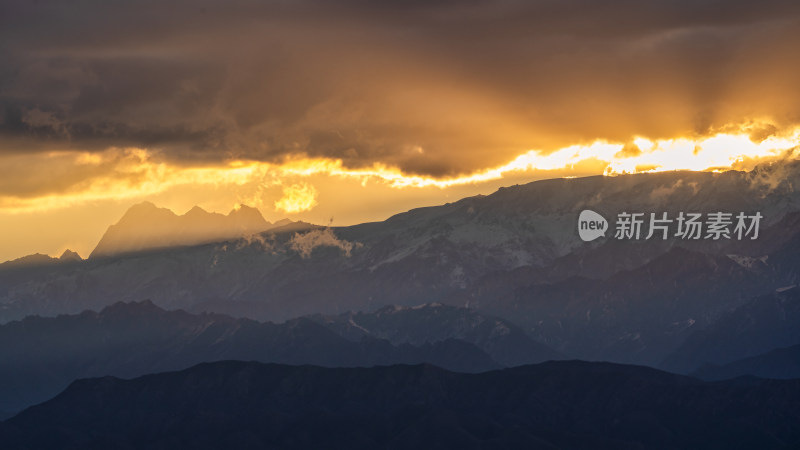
(138, 173)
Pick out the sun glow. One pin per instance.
(723, 151)
(297, 198)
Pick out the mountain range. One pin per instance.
(499, 291)
(567, 404)
(514, 255)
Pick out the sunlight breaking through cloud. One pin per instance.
(80, 177)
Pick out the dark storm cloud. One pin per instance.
(438, 87)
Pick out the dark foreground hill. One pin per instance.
(551, 405)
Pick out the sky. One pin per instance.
(352, 110)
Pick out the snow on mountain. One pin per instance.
(534, 224)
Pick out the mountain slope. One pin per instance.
(768, 322)
(551, 405)
(635, 316)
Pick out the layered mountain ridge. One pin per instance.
(40, 356)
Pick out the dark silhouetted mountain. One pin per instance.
(766, 323)
(38, 260)
(40, 356)
(781, 363)
(568, 404)
(145, 226)
(417, 325)
(69, 255)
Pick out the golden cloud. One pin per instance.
(60, 179)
